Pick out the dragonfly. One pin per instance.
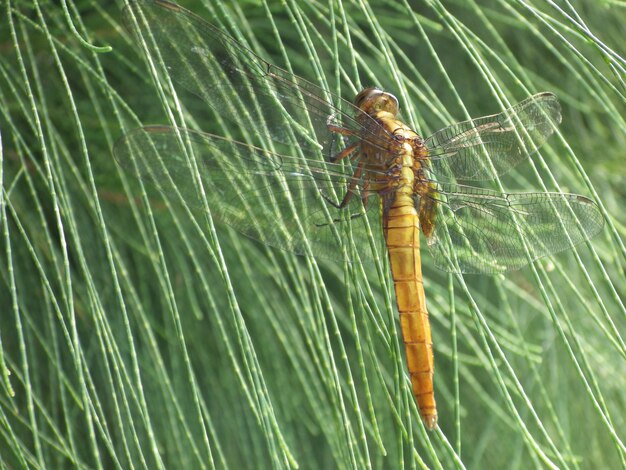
(306, 171)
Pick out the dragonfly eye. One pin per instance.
(372, 100)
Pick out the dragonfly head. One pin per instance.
(372, 100)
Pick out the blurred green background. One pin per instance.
(134, 336)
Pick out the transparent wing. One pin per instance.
(488, 146)
(482, 231)
(282, 201)
(266, 103)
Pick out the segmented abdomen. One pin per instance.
(402, 234)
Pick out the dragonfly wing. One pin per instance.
(482, 231)
(282, 201)
(240, 86)
(481, 149)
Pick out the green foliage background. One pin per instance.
(134, 337)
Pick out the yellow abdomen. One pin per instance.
(402, 234)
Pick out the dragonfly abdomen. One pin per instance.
(402, 237)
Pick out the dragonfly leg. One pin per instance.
(365, 193)
(350, 191)
(340, 130)
(347, 152)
